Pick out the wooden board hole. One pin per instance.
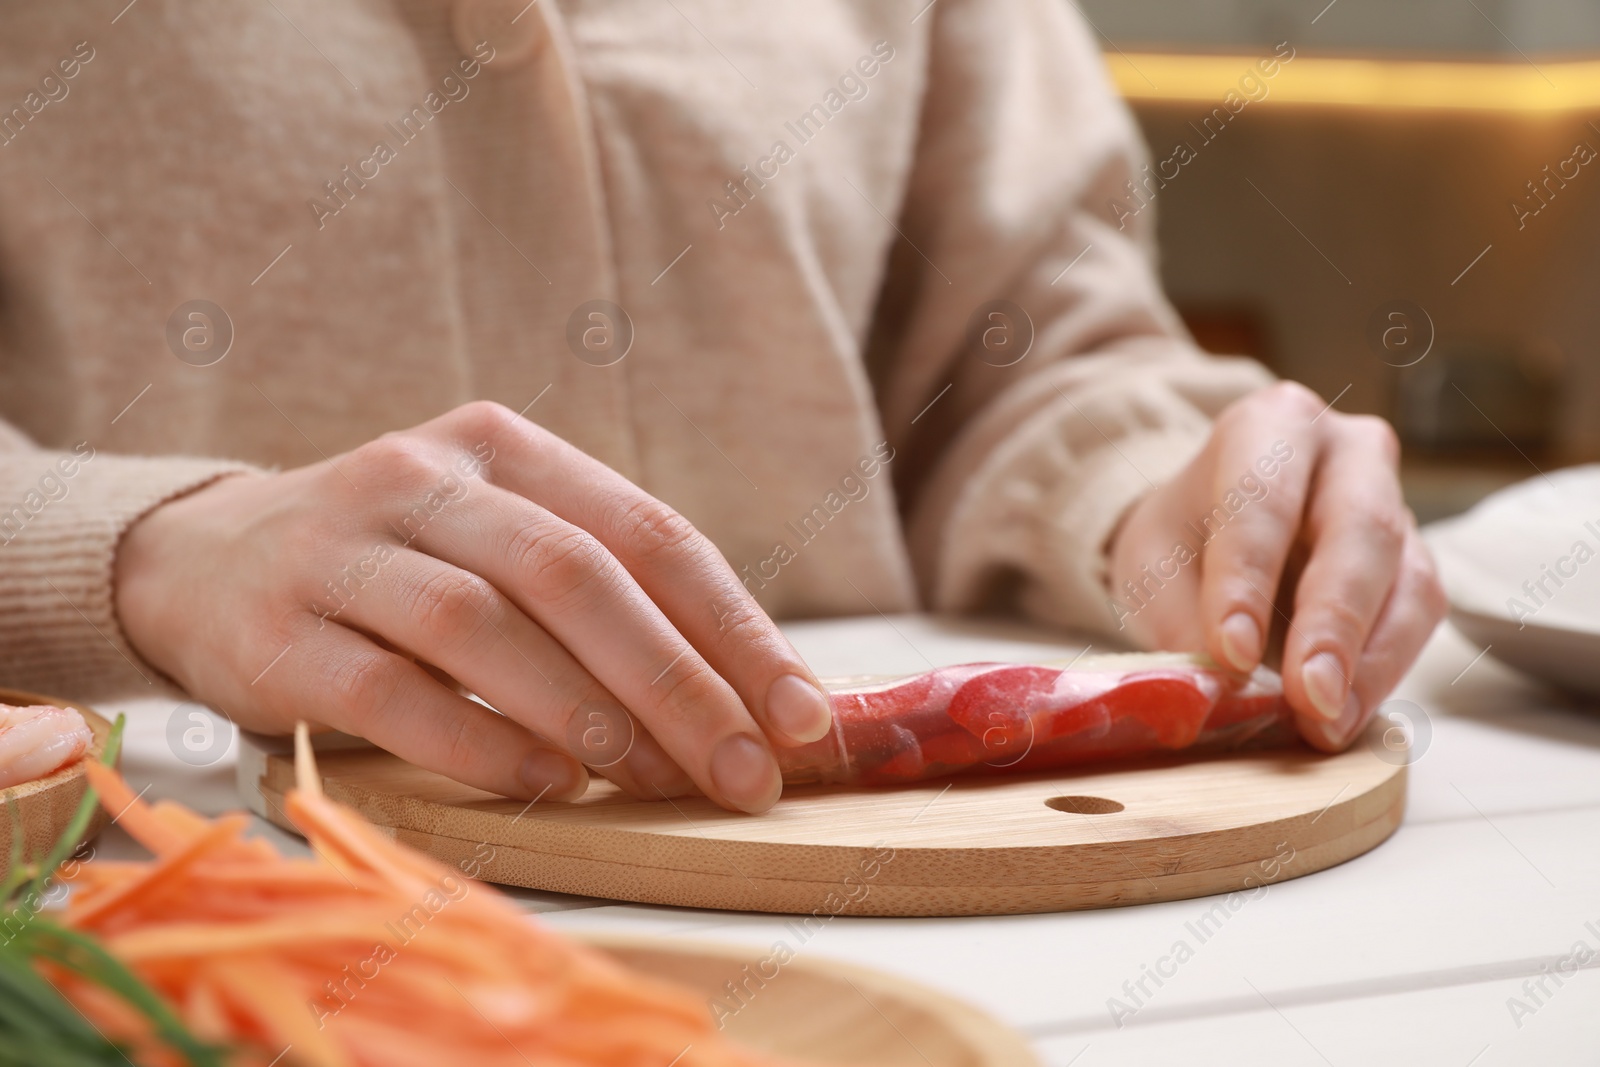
(1085, 805)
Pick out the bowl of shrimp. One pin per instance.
(44, 743)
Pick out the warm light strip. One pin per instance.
(1512, 86)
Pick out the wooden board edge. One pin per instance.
(586, 841)
(739, 890)
(1175, 853)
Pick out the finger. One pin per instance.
(1155, 581)
(677, 567)
(565, 580)
(460, 624)
(354, 686)
(1414, 608)
(1356, 525)
(1264, 454)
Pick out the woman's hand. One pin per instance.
(1291, 512)
(475, 548)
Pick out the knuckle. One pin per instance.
(451, 608)
(395, 458)
(1280, 397)
(745, 625)
(1375, 525)
(751, 643)
(1293, 397)
(655, 533)
(687, 691)
(483, 418)
(559, 568)
(457, 743)
(364, 683)
(1388, 526)
(1253, 562)
(1376, 429)
(1251, 546)
(309, 538)
(1337, 623)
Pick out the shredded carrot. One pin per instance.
(168, 877)
(368, 955)
(266, 990)
(154, 830)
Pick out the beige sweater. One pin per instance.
(803, 209)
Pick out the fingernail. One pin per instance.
(654, 771)
(798, 709)
(745, 774)
(1325, 685)
(1241, 641)
(1340, 731)
(549, 776)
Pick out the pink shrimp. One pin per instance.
(996, 718)
(39, 740)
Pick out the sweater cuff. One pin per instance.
(1035, 528)
(62, 517)
(1070, 580)
(1019, 518)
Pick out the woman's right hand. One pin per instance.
(481, 549)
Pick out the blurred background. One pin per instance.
(1404, 215)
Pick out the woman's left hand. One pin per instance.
(1291, 511)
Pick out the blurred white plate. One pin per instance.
(1564, 657)
(1522, 570)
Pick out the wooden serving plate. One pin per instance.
(46, 805)
(825, 1010)
(1096, 837)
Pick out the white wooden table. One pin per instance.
(1417, 953)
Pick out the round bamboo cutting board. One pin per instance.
(1097, 837)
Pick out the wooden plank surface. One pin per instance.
(1436, 906)
(1480, 1024)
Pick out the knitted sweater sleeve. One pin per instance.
(1028, 366)
(62, 514)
